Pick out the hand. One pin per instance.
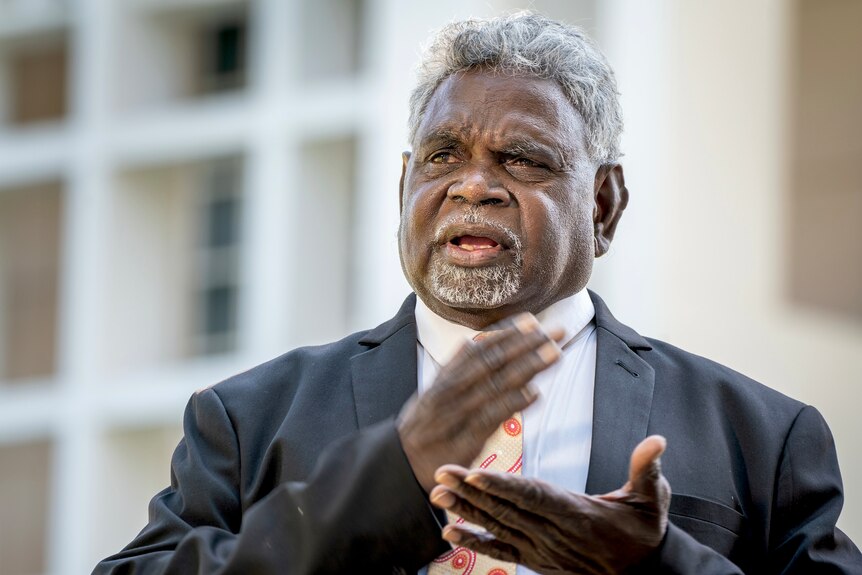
(484, 384)
(551, 530)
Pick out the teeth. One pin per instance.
(471, 247)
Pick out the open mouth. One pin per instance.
(474, 243)
(475, 246)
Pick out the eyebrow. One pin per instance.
(449, 136)
(533, 148)
(444, 136)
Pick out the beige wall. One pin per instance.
(717, 268)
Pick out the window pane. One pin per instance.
(25, 471)
(29, 267)
(38, 81)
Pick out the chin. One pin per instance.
(474, 288)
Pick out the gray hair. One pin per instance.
(525, 43)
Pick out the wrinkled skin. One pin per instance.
(510, 153)
(551, 530)
(480, 388)
(514, 150)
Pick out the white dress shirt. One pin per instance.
(558, 425)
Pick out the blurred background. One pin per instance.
(190, 187)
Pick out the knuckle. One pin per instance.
(470, 351)
(530, 365)
(483, 421)
(496, 382)
(499, 511)
(535, 494)
(509, 404)
(494, 357)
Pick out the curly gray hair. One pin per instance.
(525, 43)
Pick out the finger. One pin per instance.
(521, 334)
(447, 499)
(497, 514)
(645, 467)
(494, 400)
(483, 543)
(488, 403)
(481, 359)
(555, 333)
(486, 416)
(528, 494)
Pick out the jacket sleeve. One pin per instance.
(807, 502)
(360, 510)
(682, 554)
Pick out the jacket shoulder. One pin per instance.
(282, 376)
(696, 377)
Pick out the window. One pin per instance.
(219, 275)
(36, 74)
(223, 56)
(324, 230)
(25, 471)
(29, 262)
(332, 38)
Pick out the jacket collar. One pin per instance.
(606, 320)
(622, 400)
(384, 376)
(386, 329)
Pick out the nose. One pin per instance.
(478, 187)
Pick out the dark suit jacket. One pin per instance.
(295, 466)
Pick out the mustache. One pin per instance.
(474, 216)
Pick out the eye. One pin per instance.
(524, 162)
(442, 157)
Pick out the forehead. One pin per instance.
(497, 106)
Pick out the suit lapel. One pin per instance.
(384, 376)
(622, 401)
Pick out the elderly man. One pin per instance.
(505, 394)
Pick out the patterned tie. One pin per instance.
(502, 452)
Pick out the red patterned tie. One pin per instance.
(502, 452)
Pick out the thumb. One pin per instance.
(645, 467)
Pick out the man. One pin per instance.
(511, 189)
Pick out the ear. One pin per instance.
(405, 158)
(611, 198)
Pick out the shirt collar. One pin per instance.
(442, 338)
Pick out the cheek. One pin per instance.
(563, 232)
(414, 232)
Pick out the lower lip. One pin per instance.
(472, 258)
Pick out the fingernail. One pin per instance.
(444, 499)
(529, 392)
(451, 535)
(476, 481)
(446, 479)
(549, 352)
(526, 323)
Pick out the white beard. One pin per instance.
(482, 287)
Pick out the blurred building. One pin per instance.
(190, 187)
